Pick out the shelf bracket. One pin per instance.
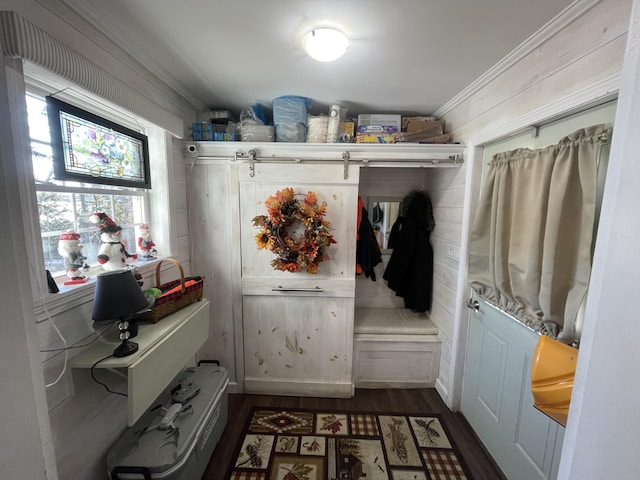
(345, 158)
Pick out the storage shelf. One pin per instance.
(427, 155)
(164, 349)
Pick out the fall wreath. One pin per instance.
(287, 213)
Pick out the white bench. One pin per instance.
(394, 348)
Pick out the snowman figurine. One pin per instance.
(70, 248)
(145, 243)
(112, 254)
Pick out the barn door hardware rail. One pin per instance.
(251, 157)
(366, 155)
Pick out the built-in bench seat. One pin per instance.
(394, 348)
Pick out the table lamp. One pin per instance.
(118, 298)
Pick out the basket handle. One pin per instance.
(178, 266)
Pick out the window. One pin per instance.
(67, 205)
(89, 148)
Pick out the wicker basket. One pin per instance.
(172, 302)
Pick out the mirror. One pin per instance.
(383, 212)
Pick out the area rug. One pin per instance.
(298, 444)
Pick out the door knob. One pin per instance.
(473, 305)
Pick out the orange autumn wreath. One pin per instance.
(294, 254)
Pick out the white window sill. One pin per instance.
(71, 296)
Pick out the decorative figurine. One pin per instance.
(70, 248)
(112, 254)
(145, 243)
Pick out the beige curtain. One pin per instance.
(531, 243)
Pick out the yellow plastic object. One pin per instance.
(552, 374)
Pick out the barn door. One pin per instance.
(298, 326)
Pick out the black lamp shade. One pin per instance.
(117, 296)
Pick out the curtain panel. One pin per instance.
(531, 242)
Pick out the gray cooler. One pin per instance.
(176, 436)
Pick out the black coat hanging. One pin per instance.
(410, 269)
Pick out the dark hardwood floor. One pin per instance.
(424, 400)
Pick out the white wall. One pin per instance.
(579, 65)
(602, 440)
(49, 434)
(447, 188)
(25, 436)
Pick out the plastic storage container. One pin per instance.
(290, 118)
(175, 438)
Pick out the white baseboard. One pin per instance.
(278, 386)
(443, 392)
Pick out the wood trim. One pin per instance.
(126, 44)
(20, 38)
(557, 24)
(597, 93)
(279, 386)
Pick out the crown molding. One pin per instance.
(595, 94)
(557, 24)
(19, 38)
(126, 44)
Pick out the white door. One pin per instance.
(298, 327)
(496, 394)
(497, 401)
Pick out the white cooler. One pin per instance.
(175, 438)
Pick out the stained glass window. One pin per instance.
(89, 148)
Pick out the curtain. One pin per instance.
(531, 241)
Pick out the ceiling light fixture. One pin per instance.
(325, 44)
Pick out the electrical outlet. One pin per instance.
(446, 350)
(453, 252)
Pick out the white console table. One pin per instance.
(164, 349)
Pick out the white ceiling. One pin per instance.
(406, 56)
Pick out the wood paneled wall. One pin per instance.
(86, 423)
(587, 51)
(578, 65)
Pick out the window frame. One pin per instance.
(83, 188)
(48, 304)
(57, 110)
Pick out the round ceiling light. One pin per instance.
(325, 44)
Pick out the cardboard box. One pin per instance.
(377, 129)
(419, 137)
(224, 137)
(434, 127)
(424, 118)
(382, 137)
(346, 131)
(206, 132)
(380, 119)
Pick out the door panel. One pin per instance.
(298, 327)
(493, 356)
(497, 401)
(298, 340)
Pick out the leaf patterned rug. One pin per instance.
(298, 444)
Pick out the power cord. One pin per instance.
(101, 383)
(98, 333)
(64, 342)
